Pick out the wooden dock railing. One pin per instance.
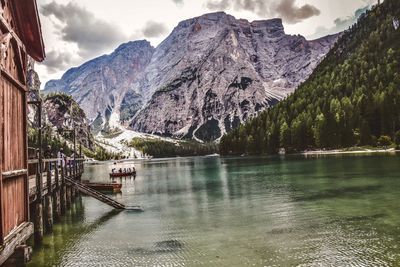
(50, 196)
(51, 175)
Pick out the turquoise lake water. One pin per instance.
(267, 211)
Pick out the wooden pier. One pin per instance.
(50, 195)
(33, 193)
(20, 41)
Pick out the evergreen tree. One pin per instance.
(352, 97)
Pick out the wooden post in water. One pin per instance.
(56, 205)
(38, 222)
(63, 192)
(48, 201)
(68, 195)
(48, 176)
(56, 195)
(22, 255)
(72, 195)
(49, 213)
(38, 205)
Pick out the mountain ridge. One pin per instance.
(351, 99)
(224, 72)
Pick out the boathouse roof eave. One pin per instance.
(29, 27)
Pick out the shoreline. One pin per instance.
(341, 151)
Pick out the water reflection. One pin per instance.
(67, 233)
(269, 211)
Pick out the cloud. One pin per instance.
(154, 29)
(78, 25)
(285, 9)
(340, 24)
(293, 14)
(178, 2)
(57, 61)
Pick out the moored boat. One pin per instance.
(104, 187)
(122, 174)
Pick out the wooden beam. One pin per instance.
(21, 256)
(20, 61)
(33, 161)
(4, 24)
(14, 81)
(11, 174)
(1, 156)
(26, 156)
(16, 238)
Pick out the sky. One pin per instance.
(77, 31)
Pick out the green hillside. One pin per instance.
(351, 99)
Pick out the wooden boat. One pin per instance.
(122, 174)
(104, 187)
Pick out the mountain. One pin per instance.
(209, 75)
(351, 99)
(102, 83)
(62, 112)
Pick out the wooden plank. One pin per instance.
(1, 156)
(7, 28)
(33, 161)
(25, 131)
(20, 63)
(14, 173)
(13, 80)
(22, 255)
(97, 195)
(14, 193)
(14, 209)
(14, 183)
(48, 175)
(15, 239)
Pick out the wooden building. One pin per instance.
(20, 39)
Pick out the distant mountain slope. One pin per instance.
(224, 73)
(212, 73)
(62, 112)
(352, 98)
(99, 85)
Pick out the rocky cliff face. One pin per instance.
(211, 74)
(62, 112)
(100, 85)
(59, 111)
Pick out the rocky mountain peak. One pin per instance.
(271, 25)
(133, 45)
(210, 74)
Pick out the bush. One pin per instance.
(385, 140)
(397, 138)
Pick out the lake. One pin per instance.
(260, 211)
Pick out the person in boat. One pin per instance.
(113, 170)
(120, 170)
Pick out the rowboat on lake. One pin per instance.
(122, 174)
(104, 187)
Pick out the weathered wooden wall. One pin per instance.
(13, 148)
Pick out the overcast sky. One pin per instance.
(76, 31)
